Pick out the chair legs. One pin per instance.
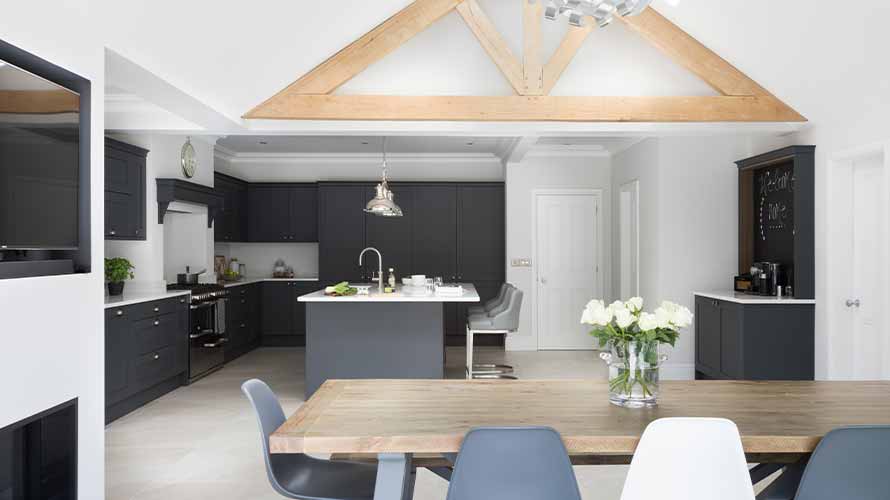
(486, 370)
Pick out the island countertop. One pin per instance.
(469, 295)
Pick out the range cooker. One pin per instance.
(207, 327)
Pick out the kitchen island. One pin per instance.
(376, 336)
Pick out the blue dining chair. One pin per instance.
(295, 475)
(849, 463)
(510, 463)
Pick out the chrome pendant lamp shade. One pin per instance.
(602, 11)
(383, 203)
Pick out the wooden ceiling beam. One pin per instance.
(497, 49)
(559, 61)
(530, 108)
(370, 48)
(533, 70)
(38, 102)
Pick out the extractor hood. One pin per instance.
(170, 190)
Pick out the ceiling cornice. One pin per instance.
(235, 157)
(568, 151)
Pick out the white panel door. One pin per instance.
(628, 239)
(567, 271)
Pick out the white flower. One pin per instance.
(616, 306)
(634, 304)
(624, 318)
(663, 317)
(596, 313)
(677, 315)
(647, 322)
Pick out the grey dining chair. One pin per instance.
(509, 463)
(502, 319)
(301, 476)
(849, 462)
(492, 303)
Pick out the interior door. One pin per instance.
(567, 231)
(629, 237)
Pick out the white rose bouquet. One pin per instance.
(633, 337)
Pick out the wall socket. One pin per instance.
(521, 262)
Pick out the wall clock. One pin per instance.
(188, 160)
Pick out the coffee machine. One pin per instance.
(767, 277)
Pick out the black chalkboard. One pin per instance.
(774, 214)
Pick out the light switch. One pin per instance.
(521, 262)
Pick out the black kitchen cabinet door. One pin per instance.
(730, 340)
(304, 213)
(124, 191)
(341, 231)
(231, 224)
(268, 209)
(434, 230)
(302, 288)
(707, 334)
(117, 354)
(392, 236)
(278, 308)
(480, 242)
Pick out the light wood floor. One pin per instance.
(201, 441)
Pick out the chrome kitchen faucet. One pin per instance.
(379, 262)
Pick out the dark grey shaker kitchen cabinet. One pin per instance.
(341, 230)
(283, 318)
(285, 212)
(242, 320)
(124, 191)
(481, 233)
(232, 223)
(743, 341)
(434, 230)
(392, 236)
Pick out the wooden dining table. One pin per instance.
(398, 419)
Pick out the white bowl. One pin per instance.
(406, 281)
(418, 279)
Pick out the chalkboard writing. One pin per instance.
(774, 213)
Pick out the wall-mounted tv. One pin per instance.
(39, 162)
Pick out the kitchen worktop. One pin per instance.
(129, 298)
(747, 298)
(249, 281)
(469, 295)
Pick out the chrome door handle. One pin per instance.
(543, 281)
(852, 303)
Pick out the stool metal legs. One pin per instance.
(485, 370)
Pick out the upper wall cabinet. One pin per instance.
(286, 212)
(124, 191)
(231, 224)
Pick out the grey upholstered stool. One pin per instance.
(502, 319)
(527, 463)
(301, 476)
(490, 304)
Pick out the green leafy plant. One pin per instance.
(118, 269)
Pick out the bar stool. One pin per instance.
(491, 304)
(501, 320)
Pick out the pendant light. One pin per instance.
(383, 203)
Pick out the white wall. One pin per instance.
(163, 162)
(536, 172)
(688, 223)
(260, 257)
(52, 326)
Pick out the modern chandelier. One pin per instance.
(382, 203)
(603, 11)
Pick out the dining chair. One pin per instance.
(510, 463)
(300, 476)
(502, 319)
(689, 459)
(849, 462)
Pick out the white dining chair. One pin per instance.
(689, 459)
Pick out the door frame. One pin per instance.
(840, 164)
(597, 219)
(632, 186)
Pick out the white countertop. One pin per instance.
(469, 295)
(129, 298)
(248, 281)
(747, 298)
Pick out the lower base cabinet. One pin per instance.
(146, 353)
(283, 318)
(243, 320)
(739, 341)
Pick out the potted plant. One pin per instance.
(117, 270)
(632, 338)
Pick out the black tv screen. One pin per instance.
(39, 162)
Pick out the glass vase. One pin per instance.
(633, 373)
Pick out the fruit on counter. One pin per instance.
(340, 289)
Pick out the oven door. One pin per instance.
(207, 338)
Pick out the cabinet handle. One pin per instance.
(182, 301)
(137, 231)
(120, 312)
(157, 309)
(157, 322)
(112, 233)
(157, 356)
(243, 325)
